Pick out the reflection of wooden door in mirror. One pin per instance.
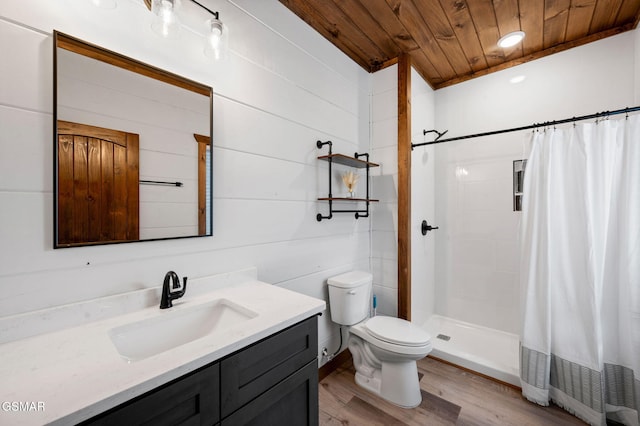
(98, 184)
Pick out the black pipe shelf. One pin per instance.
(354, 162)
(348, 161)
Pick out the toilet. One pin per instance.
(384, 349)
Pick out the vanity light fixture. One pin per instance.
(167, 24)
(511, 39)
(216, 40)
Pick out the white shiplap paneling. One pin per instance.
(273, 98)
(384, 235)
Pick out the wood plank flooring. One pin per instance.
(450, 396)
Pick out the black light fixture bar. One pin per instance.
(216, 14)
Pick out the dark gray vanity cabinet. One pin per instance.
(274, 381)
(294, 401)
(189, 400)
(271, 382)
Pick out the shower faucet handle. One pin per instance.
(426, 227)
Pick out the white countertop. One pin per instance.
(70, 375)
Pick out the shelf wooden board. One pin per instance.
(347, 161)
(347, 199)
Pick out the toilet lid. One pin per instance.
(397, 331)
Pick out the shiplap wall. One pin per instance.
(281, 88)
(384, 183)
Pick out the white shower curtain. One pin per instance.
(580, 270)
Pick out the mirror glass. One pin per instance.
(132, 149)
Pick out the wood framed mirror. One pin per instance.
(132, 149)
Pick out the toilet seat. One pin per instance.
(420, 350)
(397, 331)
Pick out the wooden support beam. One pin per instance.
(404, 186)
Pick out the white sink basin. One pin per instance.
(172, 328)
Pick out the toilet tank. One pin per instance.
(350, 297)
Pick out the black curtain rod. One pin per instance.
(532, 126)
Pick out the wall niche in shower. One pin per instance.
(518, 183)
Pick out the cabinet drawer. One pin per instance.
(294, 401)
(249, 373)
(192, 400)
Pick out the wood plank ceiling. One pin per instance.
(450, 41)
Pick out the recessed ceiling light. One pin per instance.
(511, 39)
(517, 79)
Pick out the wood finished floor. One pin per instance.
(450, 396)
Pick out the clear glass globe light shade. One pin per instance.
(216, 39)
(215, 36)
(166, 22)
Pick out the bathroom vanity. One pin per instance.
(232, 351)
(274, 381)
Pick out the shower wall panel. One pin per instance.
(477, 243)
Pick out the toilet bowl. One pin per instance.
(384, 349)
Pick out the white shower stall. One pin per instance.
(465, 275)
(475, 320)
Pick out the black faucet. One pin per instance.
(171, 282)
